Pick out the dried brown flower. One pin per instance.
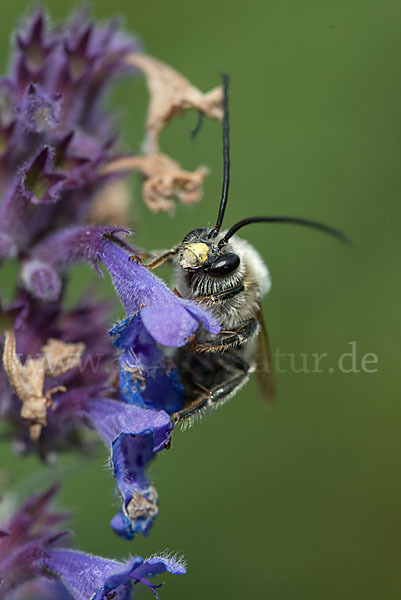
(28, 380)
(170, 94)
(164, 180)
(142, 507)
(61, 357)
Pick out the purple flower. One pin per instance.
(134, 436)
(33, 563)
(87, 576)
(169, 320)
(42, 273)
(25, 539)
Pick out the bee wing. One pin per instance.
(264, 363)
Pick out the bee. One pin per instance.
(224, 273)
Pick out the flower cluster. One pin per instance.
(55, 137)
(58, 363)
(60, 167)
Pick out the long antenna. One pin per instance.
(293, 220)
(226, 156)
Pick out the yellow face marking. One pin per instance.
(195, 254)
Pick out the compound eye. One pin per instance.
(225, 265)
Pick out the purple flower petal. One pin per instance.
(34, 41)
(87, 576)
(23, 210)
(170, 324)
(114, 419)
(8, 248)
(170, 320)
(33, 51)
(159, 563)
(204, 316)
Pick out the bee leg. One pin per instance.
(239, 336)
(217, 395)
(191, 409)
(168, 255)
(223, 295)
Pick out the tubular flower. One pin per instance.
(34, 565)
(133, 436)
(168, 319)
(96, 578)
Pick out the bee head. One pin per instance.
(200, 253)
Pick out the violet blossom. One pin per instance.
(25, 538)
(33, 562)
(169, 320)
(93, 577)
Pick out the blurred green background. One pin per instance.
(303, 499)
